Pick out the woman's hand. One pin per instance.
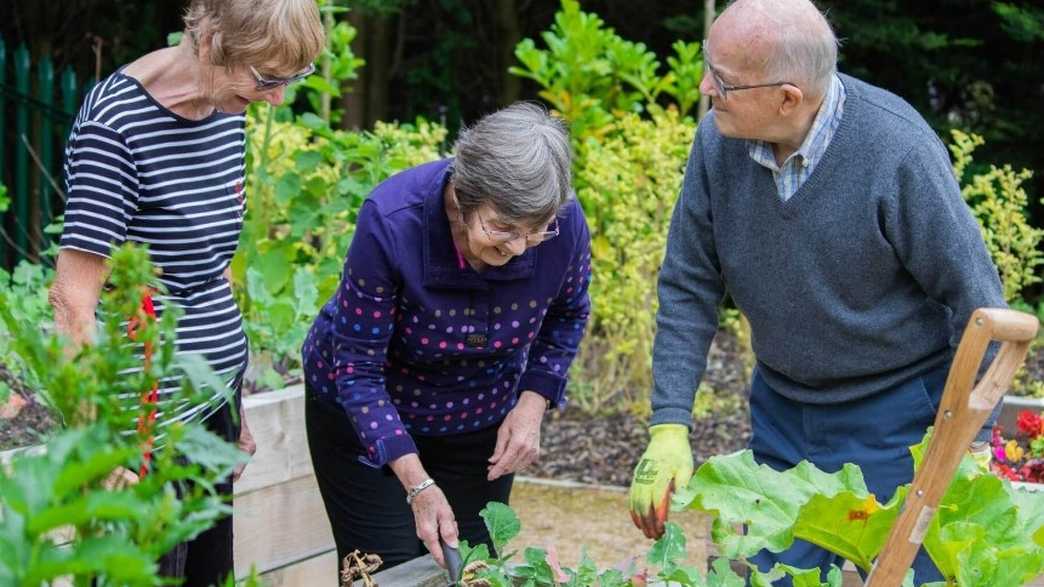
(432, 515)
(78, 282)
(120, 479)
(245, 443)
(434, 519)
(518, 439)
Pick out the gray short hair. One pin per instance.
(518, 160)
(801, 45)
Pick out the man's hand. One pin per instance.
(665, 466)
(245, 443)
(518, 438)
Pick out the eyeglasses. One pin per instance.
(507, 236)
(500, 237)
(723, 88)
(264, 84)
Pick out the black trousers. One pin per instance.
(367, 506)
(207, 559)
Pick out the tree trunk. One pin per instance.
(324, 98)
(379, 62)
(353, 103)
(508, 36)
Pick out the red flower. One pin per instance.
(1030, 424)
(1033, 471)
(1006, 472)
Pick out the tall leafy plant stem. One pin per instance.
(324, 98)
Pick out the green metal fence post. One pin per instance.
(20, 196)
(3, 141)
(45, 89)
(69, 100)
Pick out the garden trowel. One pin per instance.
(454, 564)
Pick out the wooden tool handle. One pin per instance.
(961, 414)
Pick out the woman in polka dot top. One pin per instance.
(462, 304)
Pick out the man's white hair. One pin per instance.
(799, 44)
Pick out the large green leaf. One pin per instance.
(742, 493)
(987, 566)
(739, 492)
(853, 526)
(502, 523)
(1030, 507)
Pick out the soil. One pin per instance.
(31, 423)
(578, 447)
(603, 529)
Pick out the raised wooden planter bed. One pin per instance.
(279, 523)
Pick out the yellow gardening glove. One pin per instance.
(665, 466)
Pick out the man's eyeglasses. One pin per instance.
(264, 84)
(723, 88)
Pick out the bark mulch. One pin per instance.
(32, 421)
(604, 450)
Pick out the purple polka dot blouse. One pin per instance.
(413, 344)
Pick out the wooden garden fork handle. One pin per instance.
(961, 414)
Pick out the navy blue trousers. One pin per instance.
(874, 433)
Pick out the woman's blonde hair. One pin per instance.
(281, 36)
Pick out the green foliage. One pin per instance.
(627, 183)
(999, 202)
(59, 519)
(835, 511)
(4, 200)
(591, 75)
(305, 183)
(985, 533)
(336, 65)
(26, 293)
(664, 560)
(1023, 23)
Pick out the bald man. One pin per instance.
(828, 210)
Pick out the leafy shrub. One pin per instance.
(999, 201)
(627, 183)
(25, 292)
(591, 75)
(112, 536)
(336, 65)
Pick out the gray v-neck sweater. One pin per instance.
(860, 281)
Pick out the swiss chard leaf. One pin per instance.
(502, 523)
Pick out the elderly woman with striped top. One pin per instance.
(156, 157)
(462, 303)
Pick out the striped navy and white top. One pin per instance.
(135, 171)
